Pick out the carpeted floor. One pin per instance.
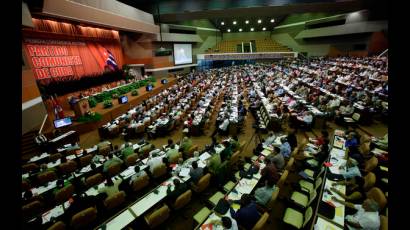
(178, 221)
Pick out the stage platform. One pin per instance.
(109, 113)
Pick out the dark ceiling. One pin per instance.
(174, 11)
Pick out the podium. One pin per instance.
(81, 107)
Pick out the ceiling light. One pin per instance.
(229, 30)
(240, 30)
(272, 20)
(234, 22)
(252, 29)
(264, 28)
(247, 21)
(222, 23)
(260, 21)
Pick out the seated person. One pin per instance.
(351, 140)
(264, 194)
(285, 149)
(235, 143)
(278, 159)
(214, 163)
(227, 223)
(196, 173)
(269, 172)
(366, 216)
(111, 187)
(112, 160)
(127, 150)
(170, 143)
(259, 148)
(137, 174)
(179, 188)
(172, 152)
(154, 162)
(355, 192)
(244, 173)
(270, 140)
(186, 144)
(227, 152)
(248, 214)
(61, 183)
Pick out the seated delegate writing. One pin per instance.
(264, 194)
(354, 189)
(366, 215)
(111, 187)
(196, 173)
(226, 222)
(248, 214)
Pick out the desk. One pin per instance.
(339, 217)
(38, 158)
(323, 224)
(152, 198)
(67, 138)
(55, 212)
(120, 221)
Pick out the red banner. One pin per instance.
(59, 58)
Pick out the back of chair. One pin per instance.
(58, 226)
(140, 183)
(234, 158)
(140, 129)
(261, 222)
(290, 163)
(29, 167)
(282, 179)
(202, 184)
(131, 159)
(272, 200)
(64, 194)
(383, 223)
(114, 169)
(46, 177)
(25, 185)
(356, 116)
(157, 217)
(54, 157)
(32, 209)
(191, 150)
(175, 158)
(318, 182)
(84, 218)
(308, 216)
(377, 195)
(68, 167)
(183, 200)
(159, 171)
(371, 164)
(115, 200)
(105, 150)
(369, 181)
(86, 160)
(94, 180)
(241, 146)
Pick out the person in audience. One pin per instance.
(270, 140)
(170, 143)
(292, 140)
(227, 152)
(227, 223)
(172, 152)
(186, 144)
(382, 143)
(248, 214)
(270, 172)
(285, 149)
(259, 148)
(366, 216)
(127, 151)
(138, 174)
(179, 189)
(154, 162)
(264, 194)
(235, 143)
(112, 160)
(351, 140)
(196, 172)
(244, 173)
(111, 187)
(278, 160)
(116, 150)
(214, 163)
(355, 192)
(223, 127)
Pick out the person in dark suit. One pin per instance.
(179, 189)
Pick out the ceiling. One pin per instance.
(265, 22)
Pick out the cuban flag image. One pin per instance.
(110, 60)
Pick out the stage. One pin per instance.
(107, 114)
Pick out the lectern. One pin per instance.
(81, 107)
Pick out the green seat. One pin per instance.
(201, 216)
(296, 218)
(313, 162)
(304, 184)
(237, 177)
(309, 173)
(254, 158)
(215, 198)
(247, 166)
(300, 199)
(229, 186)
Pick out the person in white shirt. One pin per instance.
(366, 217)
(224, 124)
(227, 223)
(154, 162)
(137, 174)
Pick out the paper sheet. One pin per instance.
(184, 172)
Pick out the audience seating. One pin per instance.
(140, 183)
(296, 218)
(383, 222)
(25, 185)
(234, 158)
(371, 164)
(159, 171)
(86, 160)
(84, 218)
(310, 186)
(202, 184)
(64, 194)
(272, 200)
(29, 167)
(377, 195)
(182, 200)
(114, 200)
(94, 180)
(114, 169)
(60, 225)
(282, 179)
(214, 199)
(131, 159)
(105, 150)
(201, 216)
(303, 200)
(46, 177)
(229, 186)
(157, 217)
(68, 167)
(174, 159)
(261, 222)
(54, 157)
(32, 209)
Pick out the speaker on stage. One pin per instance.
(149, 87)
(164, 81)
(81, 107)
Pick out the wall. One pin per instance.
(246, 35)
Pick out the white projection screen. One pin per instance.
(182, 54)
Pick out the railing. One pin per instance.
(383, 53)
(44, 122)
